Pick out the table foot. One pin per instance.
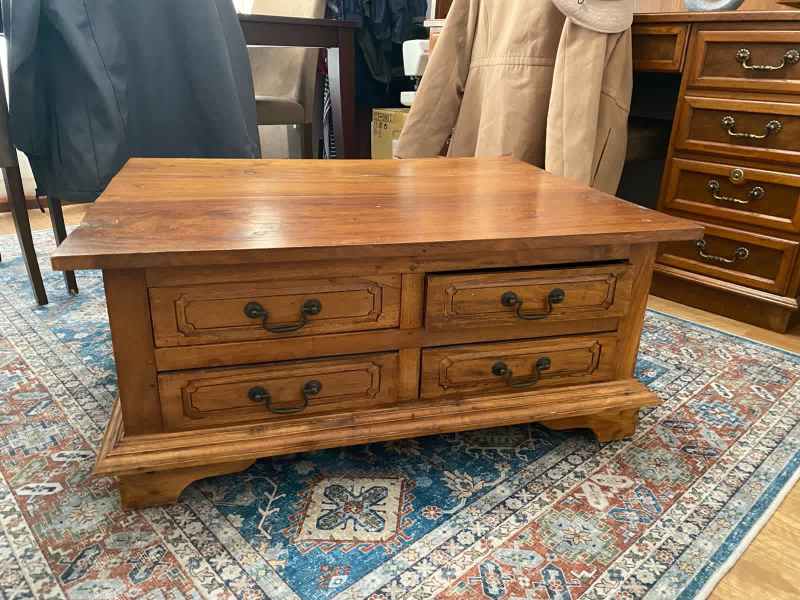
(607, 426)
(143, 490)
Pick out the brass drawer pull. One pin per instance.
(741, 253)
(510, 299)
(260, 394)
(500, 369)
(790, 57)
(253, 310)
(756, 193)
(729, 123)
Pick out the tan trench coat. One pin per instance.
(489, 84)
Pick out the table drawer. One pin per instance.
(742, 194)
(213, 397)
(659, 47)
(207, 314)
(766, 61)
(505, 367)
(523, 298)
(750, 259)
(741, 128)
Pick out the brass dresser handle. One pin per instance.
(790, 57)
(510, 299)
(253, 310)
(729, 124)
(260, 394)
(741, 253)
(500, 369)
(756, 193)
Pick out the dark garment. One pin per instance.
(94, 82)
(383, 23)
(8, 155)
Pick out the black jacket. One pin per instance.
(94, 82)
(382, 24)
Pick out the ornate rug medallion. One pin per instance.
(352, 512)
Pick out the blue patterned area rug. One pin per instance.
(517, 513)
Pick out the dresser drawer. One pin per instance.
(212, 397)
(207, 314)
(523, 298)
(508, 366)
(766, 61)
(742, 257)
(741, 128)
(726, 191)
(659, 47)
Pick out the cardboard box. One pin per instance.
(387, 123)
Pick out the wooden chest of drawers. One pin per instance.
(259, 308)
(734, 166)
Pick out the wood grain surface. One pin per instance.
(468, 370)
(700, 128)
(127, 455)
(475, 299)
(762, 198)
(212, 397)
(180, 212)
(717, 64)
(767, 267)
(207, 314)
(674, 11)
(659, 47)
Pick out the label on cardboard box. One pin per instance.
(387, 123)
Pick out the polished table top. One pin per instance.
(173, 212)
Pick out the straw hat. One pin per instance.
(605, 16)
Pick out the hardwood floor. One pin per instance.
(768, 568)
(73, 215)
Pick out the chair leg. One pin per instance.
(60, 232)
(22, 225)
(308, 141)
(315, 127)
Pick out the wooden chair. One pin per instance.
(16, 201)
(286, 82)
(60, 232)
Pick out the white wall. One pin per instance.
(243, 6)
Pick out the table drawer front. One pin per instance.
(659, 47)
(742, 128)
(523, 298)
(742, 257)
(206, 314)
(502, 367)
(742, 194)
(213, 397)
(747, 60)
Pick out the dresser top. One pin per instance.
(732, 16)
(682, 16)
(181, 212)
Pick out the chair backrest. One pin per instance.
(287, 72)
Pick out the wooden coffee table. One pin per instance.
(260, 308)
